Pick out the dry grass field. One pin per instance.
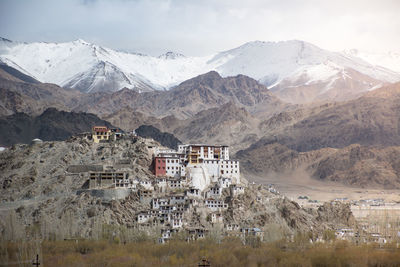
(230, 252)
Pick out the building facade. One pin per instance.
(100, 133)
(202, 163)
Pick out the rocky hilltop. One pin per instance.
(165, 139)
(45, 191)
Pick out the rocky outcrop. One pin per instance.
(50, 125)
(260, 208)
(165, 139)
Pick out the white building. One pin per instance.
(177, 199)
(173, 167)
(232, 227)
(144, 217)
(214, 192)
(175, 183)
(225, 182)
(215, 204)
(236, 189)
(156, 203)
(193, 192)
(176, 221)
(146, 184)
(216, 217)
(201, 164)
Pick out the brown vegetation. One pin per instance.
(229, 252)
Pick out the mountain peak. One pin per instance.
(171, 55)
(81, 41)
(258, 43)
(208, 76)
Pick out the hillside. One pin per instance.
(203, 92)
(354, 165)
(368, 120)
(228, 124)
(50, 125)
(165, 139)
(21, 93)
(44, 185)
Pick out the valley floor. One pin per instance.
(295, 185)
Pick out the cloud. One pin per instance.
(203, 27)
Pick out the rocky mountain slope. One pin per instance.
(368, 120)
(354, 165)
(21, 93)
(165, 139)
(203, 92)
(298, 71)
(228, 124)
(50, 125)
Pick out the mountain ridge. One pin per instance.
(92, 68)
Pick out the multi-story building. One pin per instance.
(197, 153)
(203, 164)
(108, 180)
(100, 133)
(169, 163)
(105, 134)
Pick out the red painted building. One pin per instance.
(159, 166)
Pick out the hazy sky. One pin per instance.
(201, 27)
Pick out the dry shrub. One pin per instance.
(229, 252)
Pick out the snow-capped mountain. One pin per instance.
(297, 71)
(300, 72)
(90, 68)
